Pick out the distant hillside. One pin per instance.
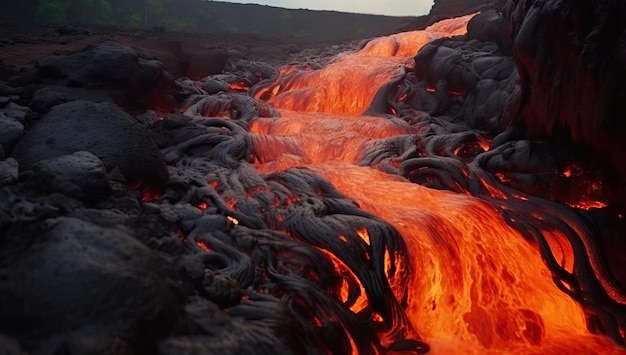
(443, 9)
(452, 8)
(228, 18)
(207, 17)
(278, 22)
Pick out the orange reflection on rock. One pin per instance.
(239, 86)
(203, 245)
(360, 302)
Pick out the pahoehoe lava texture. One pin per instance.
(570, 55)
(218, 258)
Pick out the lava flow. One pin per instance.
(476, 283)
(349, 83)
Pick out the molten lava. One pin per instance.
(348, 85)
(476, 284)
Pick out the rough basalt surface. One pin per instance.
(107, 65)
(214, 257)
(570, 54)
(99, 128)
(80, 175)
(87, 288)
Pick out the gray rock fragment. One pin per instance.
(80, 175)
(102, 129)
(11, 130)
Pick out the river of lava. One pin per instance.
(348, 84)
(476, 285)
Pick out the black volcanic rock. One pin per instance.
(570, 57)
(454, 8)
(219, 334)
(464, 72)
(8, 171)
(10, 346)
(111, 68)
(12, 119)
(490, 26)
(46, 98)
(10, 130)
(80, 175)
(83, 289)
(108, 65)
(100, 128)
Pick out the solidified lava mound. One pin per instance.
(406, 194)
(100, 128)
(590, 38)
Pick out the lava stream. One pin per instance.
(348, 85)
(476, 285)
(298, 138)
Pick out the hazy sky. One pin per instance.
(381, 7)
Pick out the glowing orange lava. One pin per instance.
(588, 204)
(476, 285)
(238, 86)
(203, 245)
(348, 85)
(293, 140)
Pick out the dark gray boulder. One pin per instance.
(83, 289)
(46, 98)
(490, 26)
(80, 175)
(570, 56)
(12, 119)
(107, 65)
(99, 128)
(15, 111)
(126, 76)
(10, 130)
(8, 171)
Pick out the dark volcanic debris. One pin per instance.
(102, 129)
(132, 219)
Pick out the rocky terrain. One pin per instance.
(134, 218)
